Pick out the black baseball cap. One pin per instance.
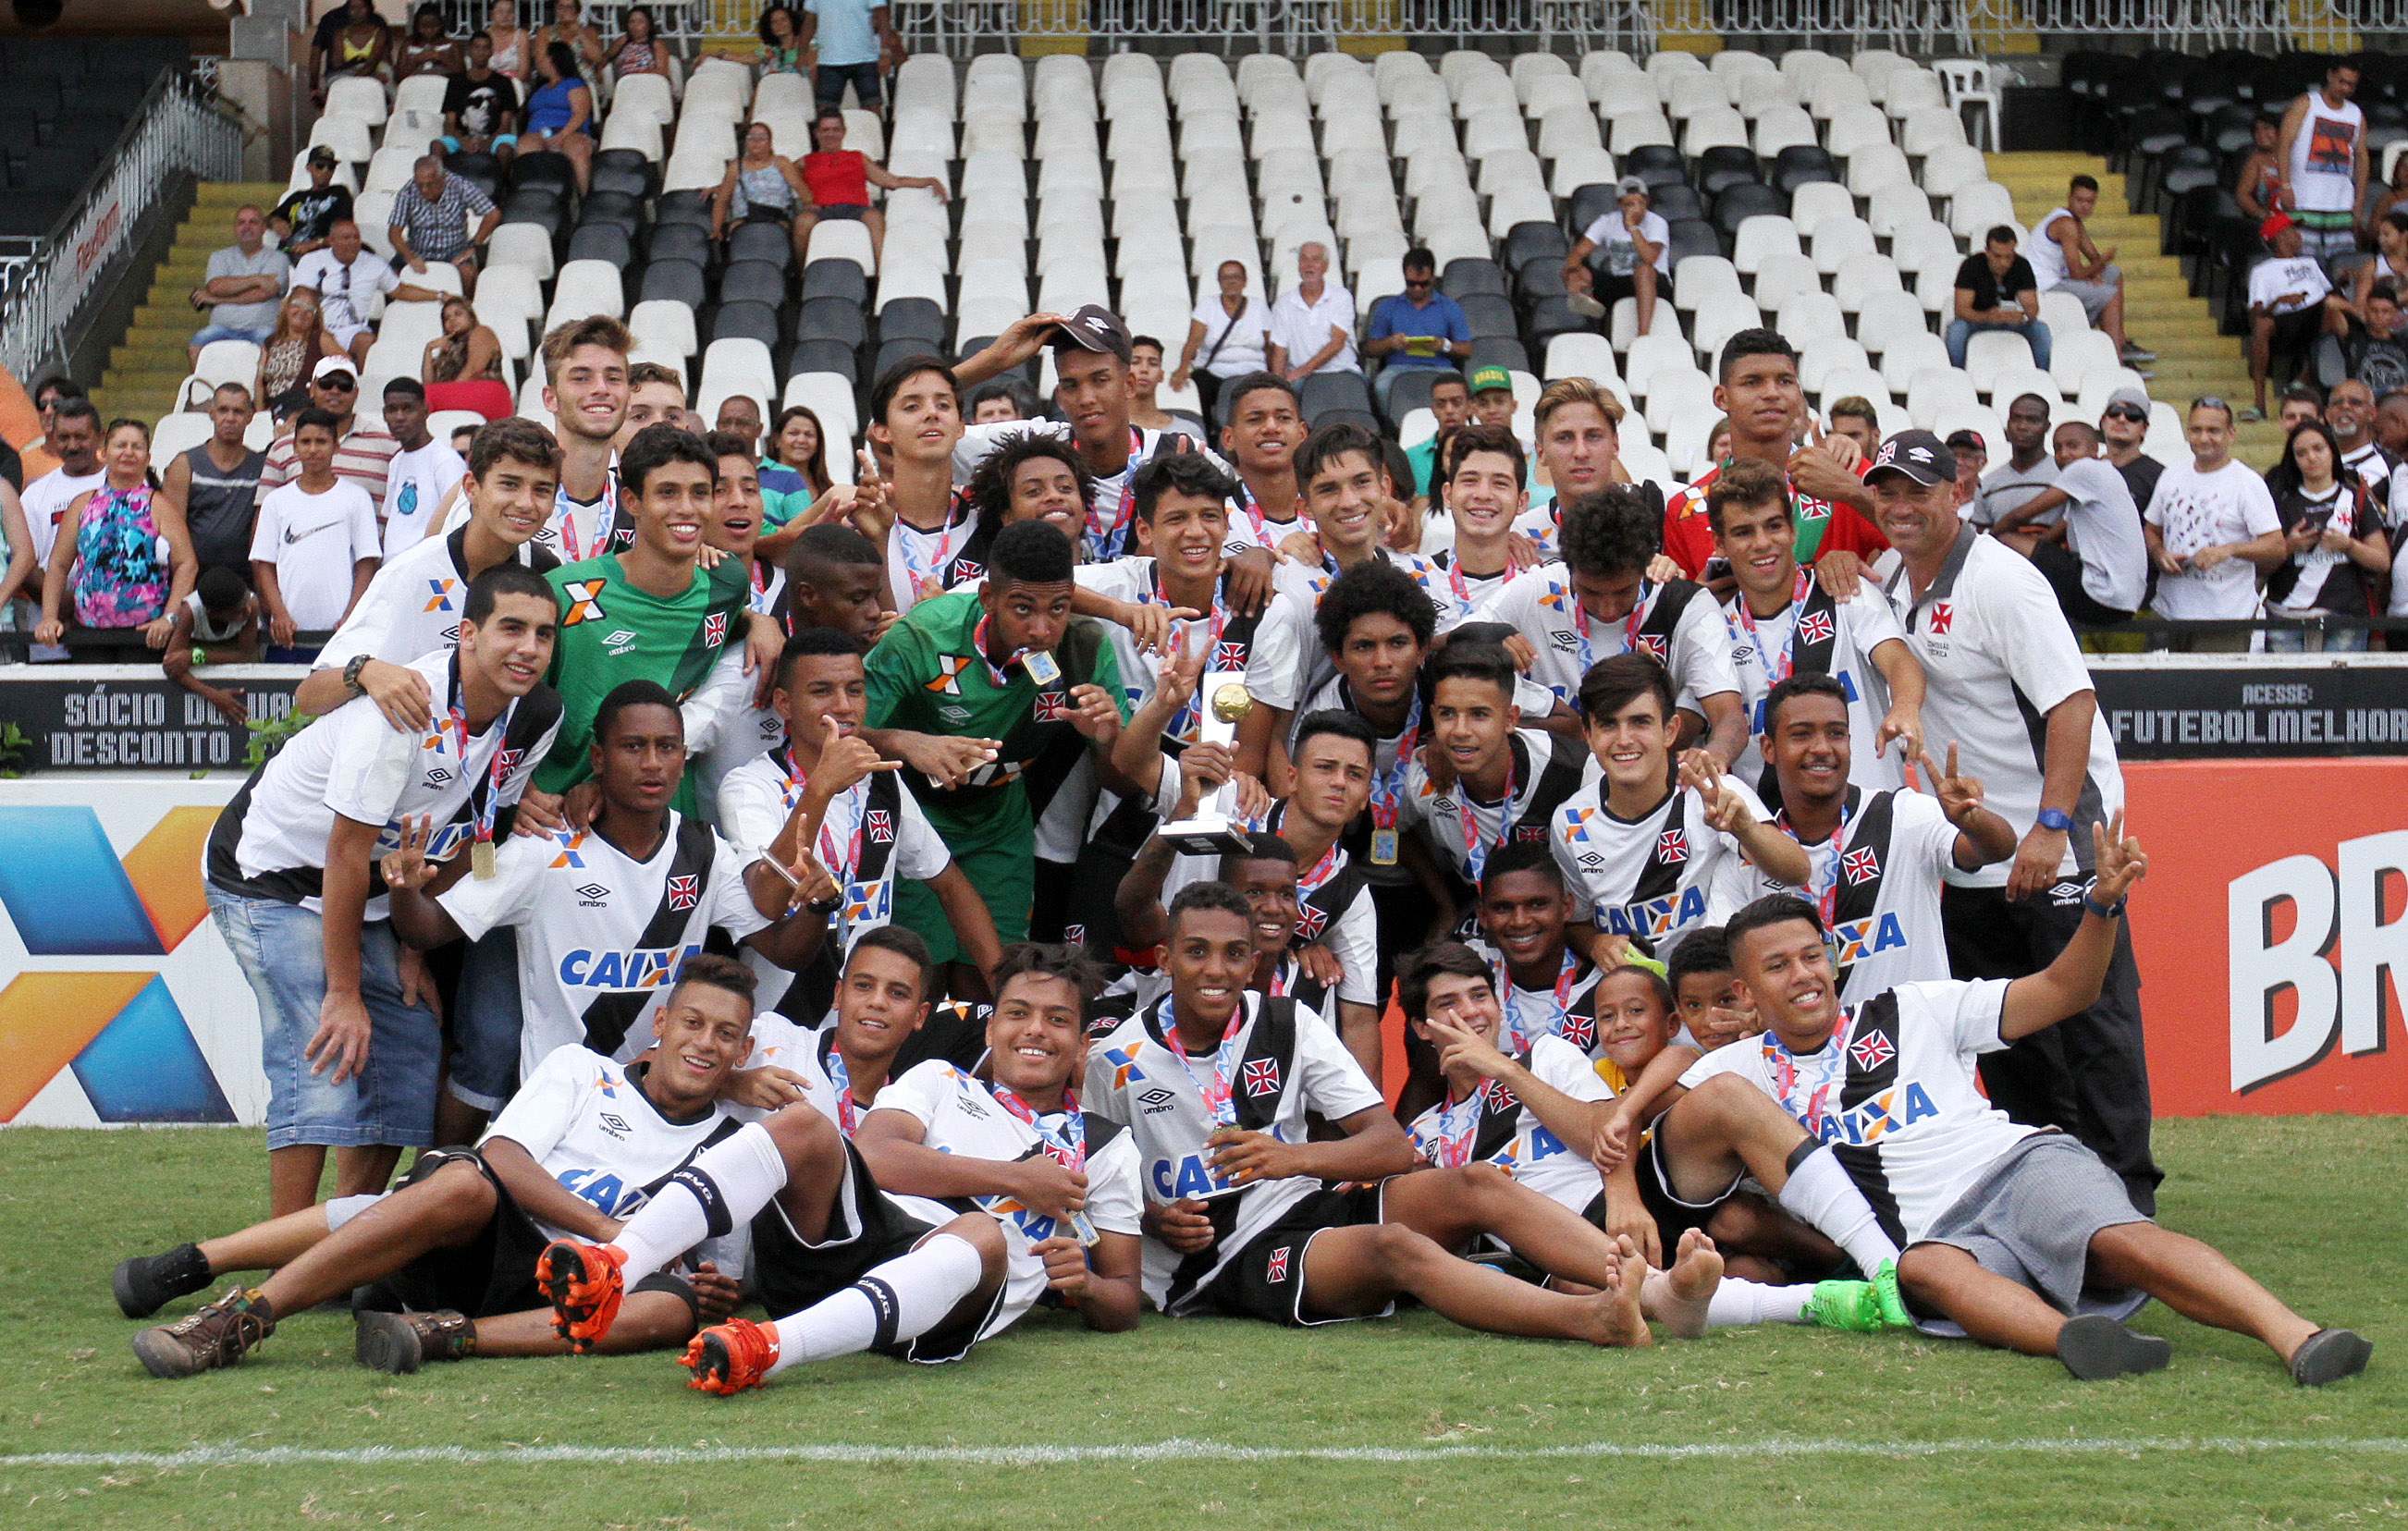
(1958, 440)
(1094, 328)
(1920, 454)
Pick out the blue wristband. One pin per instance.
(2057, 819)
(2104, 911)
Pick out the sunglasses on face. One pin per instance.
(2125, 411)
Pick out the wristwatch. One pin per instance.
(359, 663)
(2057, 819)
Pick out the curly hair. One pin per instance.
(1372, 587)
(989, 490)
(1608, 531)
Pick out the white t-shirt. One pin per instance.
(415, 485)
(601, 933)
(1906, 1060)
(2047, 257)
(345, 293)
(1654, 877)
(1129, 1071)
(1612, 237)
(314, 541)
(2277, 277)
(1453, 821)
(2193, 511)
(1499, 1129)
(1540, 602)
(271, 840)
(2105, 532)
(1857, 626)
(1900, 938)
(1302, 329)
(2006, 487)
(414, 604)
(46, 501)
(1994, 642)
(2324, 155)
(1353, 936)
(589, 1124)
(1249, 333)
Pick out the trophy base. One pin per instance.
(1206, 834)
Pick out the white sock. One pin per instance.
(902, 1299)
(1819, 1191)
(341, 1209)
(724, 1185)
(1753, 1302)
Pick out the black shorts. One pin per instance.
(865, 1229)
(850, 211)
(2295, 332)
(1609, 288)
(1673, 1217)
(1266, 1278)
(2063, 572)
(493, 1273)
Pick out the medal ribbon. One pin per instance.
(994, 671)
(847, 1113)
(1775, 673)
(926, 581)
(1475, 853)
(1188, 721)
(495, 769)
(1449, 1143)
(1630, 624)
(1066, 1147)
(1550, 1026)
(606, 521)
(1827, 897)
(1115, 541)
(1217, 1101)
(1390, 784)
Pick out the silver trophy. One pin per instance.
(1217, 827)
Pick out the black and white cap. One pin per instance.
(1095, 328)
(1920, 454)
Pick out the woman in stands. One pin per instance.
(2390, 263)
(427, 51)
(362, 46)
(2394, 194)
(762, 185)
(294, 347)
(2336, 537)
(514, 52)
(462, 369)
(570, 28)
(782, 42)
(840, 180)
(560, 114)
(122, 552)
(1226, 339)
(799, 442)
(639, 51)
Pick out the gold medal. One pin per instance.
(1041, 666)
(480, 860)
(1383, 848)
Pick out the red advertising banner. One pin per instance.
(2273, 934)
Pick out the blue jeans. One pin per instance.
(2338, 640)
(829, 81)
(485, 1023)
(207, 333)
(1960, 333)
(391, 1101)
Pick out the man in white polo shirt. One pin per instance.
(2006, 686)
(1313, 323)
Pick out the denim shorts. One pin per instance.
(829, 81)
(391, 1101)
(485, 1023)
(207, 333)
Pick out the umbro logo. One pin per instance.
(593, 896)
(1444, 804)
(621, 639)
(615, 1125)
(1566, 641)
(2066, 893)
(954, 714)
(1156, 1101)
(1744, 650)
(1590, 861)
(437, 776)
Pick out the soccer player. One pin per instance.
(1578, 428)
(1543, 982)
(2006, 1226)
(1032, 475)
(729, 725)
(654, 397)
(836, 578)
(1238, 1218)
(1782, 623)
(824, 791)
(572, 1154)
(1263, 426)
(1595, 601)
(1648, 857)
(349, 1051)
(1004, 664)
(585, 389)
(603, 914)
(915, 414)
(1485, 782)
(1492, 531)
(412, 605)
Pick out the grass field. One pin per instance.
(1410, 1423)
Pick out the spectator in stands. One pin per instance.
(1232, 329)
(761, 185)
(362, 455)
(120, 556)
(2257, 187)
(1718, 441)
(2211, 526)
(2391, 431)
(2093, 553)
(1145, 377)
(481, 105)
(840, 180)
(1972, 455)
(430, 221)
(302, 220)
(74, 439)
(1492, 397)
(215, 485)
(1000, 401)
(513, 49)
(2065, 261)
(423, 471)
(427, 51)
(2336, 544)
(640, 50)
(352, 39)
(316, 546)
(849, 42)
(740, 416)
(1625, 253)
(2029, 467)
(2392, 196)
(782, 42)
(347, 280)
(1313, 323)
(462, 368)
(799, 444)
(2323, 151)
(40, 456)
(1854, 418)
(2300, 402)
(1450, 403)
(1420, 328)
(2390, 263)
(297, 344)
(570, 28)
(217, 624)
(2349, 410)
(244, 281)
(560, 112)
(2290, 304)
(1997, 290)
(2374, 353)
(2123, 426)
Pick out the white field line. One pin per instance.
(1181, 1451)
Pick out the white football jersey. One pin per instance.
(1497, 1128)
(1275, 1076)
(587, 1121)
(1879, 890)
(1892, 1092)
(1295, 664)
(1653, 878)
(1463, 831)
(1540, 602)
(1562, 1009)
(416, 602)
(1846, 633)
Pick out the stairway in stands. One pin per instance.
(146, 366)
(2159, 310)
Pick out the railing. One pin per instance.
(177, 130)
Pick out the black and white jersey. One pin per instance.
(1879, 890)
(1269, 1072)
(587, 1121)
(270, 842)
(1892, 1092)
(1652, 877)
(961, 1114)
(416, 602)
(1492, 1126)
(1295, 666)
(1561, 1010)
(1333, 907)
(1814, 635)
(1463, 831)
(1678, 622)
(601, 933)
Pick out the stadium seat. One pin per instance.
(1762, 238)
(1584, 354)
(1863, 279)
(1825, 354)
(1886, 317)
(1933, 389)
(1805, 316)
(1991, 351)
(1838, 241)
(1781, 275)
(2012, 381)
(523, 245)
(1813, 203)
(356, 97)
(583, 287)
(1904, 356)
(2077, 356)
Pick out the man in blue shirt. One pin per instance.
(852, 38)
(1421, 327)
